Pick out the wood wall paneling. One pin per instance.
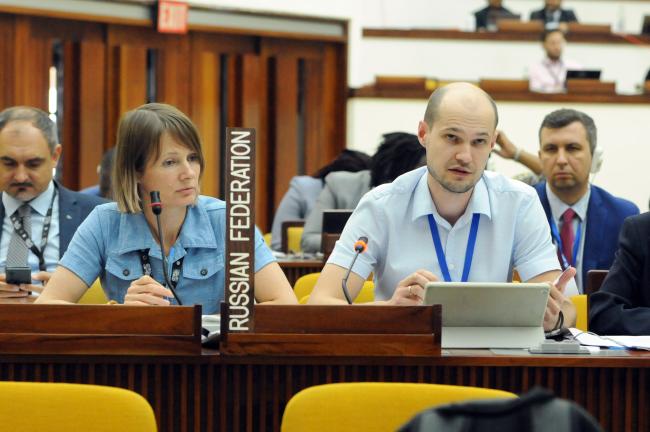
(32, 58)
(7, 69)
(285, 103)
(204, 110)
(173, 77)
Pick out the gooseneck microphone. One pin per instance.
(360, 247)
(156, 208)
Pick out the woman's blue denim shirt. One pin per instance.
(108, 242)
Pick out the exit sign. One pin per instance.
(172, 17)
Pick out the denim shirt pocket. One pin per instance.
(121, 270)
(203, 280)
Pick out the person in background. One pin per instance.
(554, 16)
(103, 189)
(398, 153)
(158, 149)
(39, 215)
(486, 17)
(549, 75)
(303, 191)
(450, 220)
(622, 304)
(585, 219)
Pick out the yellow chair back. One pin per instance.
(267, 239)
(293, 239)
(581, 303)
(371, 406)
(58, 407)
(305, 284)
(94, 295)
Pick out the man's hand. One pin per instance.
(506, 149)
(43, 277)
(146, 291)
(557, 298)
(11, 290)
(410, 290)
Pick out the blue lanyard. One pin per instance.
(469, 253)
(558, 242)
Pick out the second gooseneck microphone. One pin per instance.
(156, 208)
(360, 247)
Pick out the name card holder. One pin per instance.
(337, 331)
(100, 329)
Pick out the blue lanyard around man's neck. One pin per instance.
(558, 241)
(469, 253)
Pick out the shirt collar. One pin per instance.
(558, 207)
(40, 204)
(197, 232)
(423, 204)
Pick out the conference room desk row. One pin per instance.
(211, 391)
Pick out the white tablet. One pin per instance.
(490, 315)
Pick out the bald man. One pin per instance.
(483, 223)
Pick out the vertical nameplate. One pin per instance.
(240, 228)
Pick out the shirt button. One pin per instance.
(204, 272)
(126, 272)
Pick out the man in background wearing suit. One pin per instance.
(585, 220)
(33, 205)
(486, 17)
(554, 16)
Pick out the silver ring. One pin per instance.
(410, 291)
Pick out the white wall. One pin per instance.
(623, 132)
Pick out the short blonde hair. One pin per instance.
(138, 141)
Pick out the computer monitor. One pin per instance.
(645, 28)
(582, 74)
(490, 315)
(334, 220)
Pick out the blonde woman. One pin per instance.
(158, 148)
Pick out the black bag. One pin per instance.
(537, 410)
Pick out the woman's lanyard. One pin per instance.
(177, 267)
(558, 241)
(469, 253)
(20, 230)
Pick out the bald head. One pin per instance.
(455, 94)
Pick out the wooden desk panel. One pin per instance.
(211, 392)
(294, 269)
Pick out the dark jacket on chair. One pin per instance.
(622, 305)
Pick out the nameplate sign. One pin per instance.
(240, 228)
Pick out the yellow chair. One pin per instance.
(305, 284)
(54, 407)
(366, 295)
(581, 302)
(94, 295)
(371, 406)
(293, 235)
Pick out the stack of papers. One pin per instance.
(629, 342)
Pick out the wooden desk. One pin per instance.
(212, 392)
(294, 268)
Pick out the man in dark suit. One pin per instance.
(553, 15)
(585, 220)
(622, 305)
(486, 17)
(39, 216)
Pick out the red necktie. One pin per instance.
(567, 235)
